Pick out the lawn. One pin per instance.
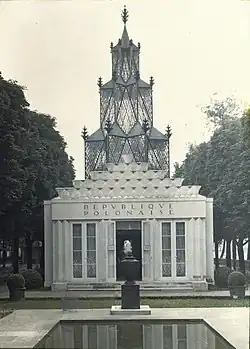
(107, 303)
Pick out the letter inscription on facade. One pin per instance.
(108, 210)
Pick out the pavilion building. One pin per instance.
(127, 194)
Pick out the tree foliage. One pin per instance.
(33, 162)
(222, 167)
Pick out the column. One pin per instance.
(156, 234)
(55, 251)
(60, 251)
(196, 249)
(147, 266)
(193, 334)
(101, 251)
(48, 243)
(111, 251)
(102, 336)
(67, 248)
(203, 248)
(209, 238)
(191, 248)
(68, 336)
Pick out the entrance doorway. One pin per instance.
(133, 234)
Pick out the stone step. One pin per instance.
(144, 287)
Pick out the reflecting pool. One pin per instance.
(133, 335)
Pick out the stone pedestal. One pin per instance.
(130, 295)
(143, 310)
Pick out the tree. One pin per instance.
(49, 167)
(33, 161)
(222, 167)
(13, 142)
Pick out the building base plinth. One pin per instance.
(117, 310)
(200, 286)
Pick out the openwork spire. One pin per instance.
(125, 15)
(126, 114)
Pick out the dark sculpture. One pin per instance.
(130, 289)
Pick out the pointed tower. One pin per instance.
(126, 132)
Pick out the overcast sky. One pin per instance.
(193, 48)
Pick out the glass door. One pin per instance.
(173, 250)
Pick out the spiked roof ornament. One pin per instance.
(125, 15)
(84, 133)
(108, 125)
(168, 131)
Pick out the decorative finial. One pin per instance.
(145, 125)
(99, 83)
(139, 46)
(111, 45)
(151, 81)
(130, 42)
(137, 75)
(114, 75)
(125, 15)
(168, 132)
(108, 125)
(84, 133)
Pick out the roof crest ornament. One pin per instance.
(125, 15)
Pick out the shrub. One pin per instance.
(236, 279)
(33, 279)
(15, 281)
(247, 276)
(41, 272)
(221, 276)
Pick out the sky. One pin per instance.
(192, 48)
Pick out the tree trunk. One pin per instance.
(42, 256)
(216, 259)
(4, 254)
(228, 254)
(28, 242)
(241, 256)
(234, 255)
(14, 255)
(248, 250)
(223, 249)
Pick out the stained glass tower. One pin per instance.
(126, 132)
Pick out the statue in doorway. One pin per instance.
(125, 251)
(127, 247)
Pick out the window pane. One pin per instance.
(167, 337)
(166, 256)
(77, 257)
(180, 242)
(180, 269)
(182, 344)
(91, 229)
(91, 270)
(77, 230)
(166, 270)
(77, 271)
(77, 244)
(180, 228)
(182, 331)
(91, 257)
(91, 243)
(166, 243)
(180, 256)
(166, 229)
(92, 336)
